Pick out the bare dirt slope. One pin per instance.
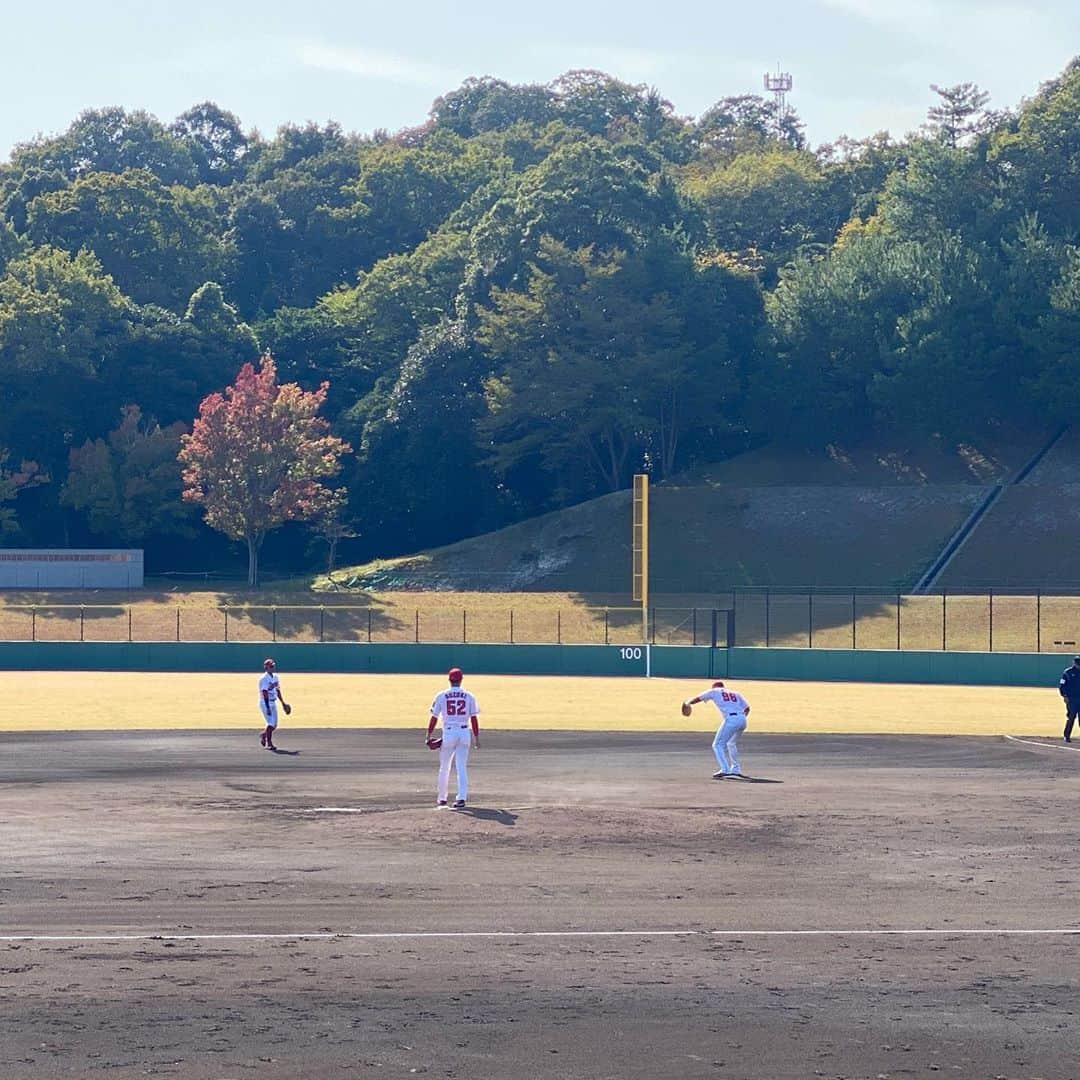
(121, 841)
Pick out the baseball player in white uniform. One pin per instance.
(734, 708)
(269, 696)
(458, 711)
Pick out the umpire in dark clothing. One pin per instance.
(1070, 691)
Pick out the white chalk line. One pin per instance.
(1042, 745)
(413, 935)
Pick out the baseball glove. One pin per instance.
(434, 744)
(287, 708)
(687, 708)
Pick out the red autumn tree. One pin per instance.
(256, 457)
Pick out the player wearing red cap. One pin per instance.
(269, 696)
(734, 708)
(458, 711)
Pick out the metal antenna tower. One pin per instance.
(778, 85)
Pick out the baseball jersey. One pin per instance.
(270, 684)
(1070, 684)
(454, 707)
(729, 702)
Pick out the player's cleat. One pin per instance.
(459, 804)
(719, 775)
(262, 739)
(441, 804)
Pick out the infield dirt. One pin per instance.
(116, 839)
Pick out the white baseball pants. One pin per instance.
(455, 749)
(724, 745)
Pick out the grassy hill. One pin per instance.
(871, 517)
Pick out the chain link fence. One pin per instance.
(341, 623)
(856, 619)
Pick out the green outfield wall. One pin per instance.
(667, 661)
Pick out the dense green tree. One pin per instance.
(606, 361)
(401, 295)
(216, 141)
(156, 242)
(421, 432)
(487, 104)
(765, 206)
(129, 484)
(1037, 154)
(296, 234)
(176, 360)
(111, 140)
(403, 194)
(62, 324)
(747, 123)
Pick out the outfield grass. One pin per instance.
(68, 701)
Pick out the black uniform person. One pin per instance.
(1070, 691)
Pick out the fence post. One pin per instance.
(511, 626)
(715, 626)
(178, 623)
(33, 624)
(898, 622)
(767, 612)
(558, 625)
(694, 618)
(225, 612)
(1038, 622)
(129, 626)
(322, 622)
(82, 623)
(464, 628)
(810, 616)
(991, 599)
(417, 639)
(273, 622)
(853, 619)
(944, 620)
(653, 635)
(369, 626)
(606, 642)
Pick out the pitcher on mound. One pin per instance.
(458, 711)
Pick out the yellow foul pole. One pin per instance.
(641, 551)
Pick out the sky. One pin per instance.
(859, 66)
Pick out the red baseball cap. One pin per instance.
(268, 663)
(455, 675)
